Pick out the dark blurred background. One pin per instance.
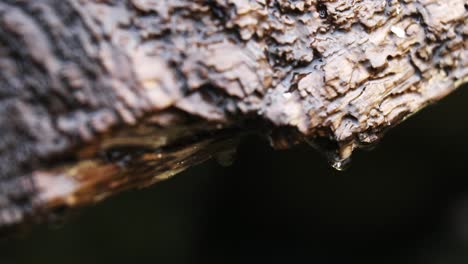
(404, 202)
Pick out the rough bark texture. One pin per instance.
(98, 96)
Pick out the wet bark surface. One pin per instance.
(101, 96)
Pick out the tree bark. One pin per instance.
(99, 96)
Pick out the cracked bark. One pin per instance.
(102, 96)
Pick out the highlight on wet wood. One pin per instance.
(101, 96)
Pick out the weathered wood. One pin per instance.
(98, 96)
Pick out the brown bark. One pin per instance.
(98, 96)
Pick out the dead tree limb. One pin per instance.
(98, 96)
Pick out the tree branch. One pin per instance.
(101, 96)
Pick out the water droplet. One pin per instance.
(340, 164)
(338, 155)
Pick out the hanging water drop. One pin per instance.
(341, 160)
(338, 155)
(340, 164)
